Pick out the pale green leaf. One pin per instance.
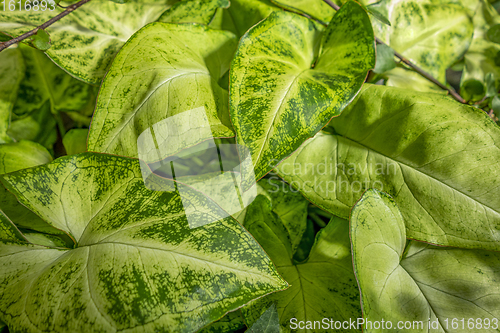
(22, 155)
(85, 42)
(317, 9)
(437, 158)
(374, 11)
(284, 90)
(231, 322)
(193, 11)
(323, 286)
(431, 34)
(267, 323)
(410, 80)
(75, 141)
(482, 57)
(11, 74)
(423, 284)
(165, 70)
(138, 265)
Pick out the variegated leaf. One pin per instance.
(193, 11)
(85, 42)
(288, 79)
(431, 287)
(437, 158)
(138, 266)
(323, 286)
(165, 70)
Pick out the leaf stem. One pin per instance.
(68, 10)
(417, 69)
(318, 220)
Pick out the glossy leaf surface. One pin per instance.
(436, 157)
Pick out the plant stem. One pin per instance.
(68, 10)
(417, 69)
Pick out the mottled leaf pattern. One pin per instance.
(163, 71)
(422, 282)
(138, 266)
(231, 322)
(85, 42)
(431, 34)
(322, 286)
(193, 11)
(9, 232)
(283, 89)
(436, 157)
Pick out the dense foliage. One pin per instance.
(250, 165)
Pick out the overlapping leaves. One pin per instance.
(138, 265)
(420, 283)
(436, 157)
(288, 78)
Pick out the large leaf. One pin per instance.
(11, 74)
(431, 34)
(193, 11)
(138, 266)
(284, 90)
(85, 42)
(483, 56)
(164, 70)
(324, 286)
(436, 157)
(420, 283)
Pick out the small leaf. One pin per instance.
(75, 141)
(472, 90)
(490, 82)
(41, 40)
(374, 11)
(495, 105)
(385, 59)
(267, 323)
(193, 11)
(493, 34)
(317, 9)
(421, 283)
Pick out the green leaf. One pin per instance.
(284, 90)
(41, 40)
(422, 283)
(242, 15)
(483, 55)
(39, 126)
(373, 10)
(22, 155)
(9, 232)
(436, 157)
(11, 74)
(75, 141)
(290, 206)
(410, 80)
(193, 11)
(317, 9)
(306, 243)
(385, 59)
(45, 82)
(164, 70)
(493, 34)
(267, 323)
(431, 34)
(138, 266)
(14, 157)
(231, 322)
(85, 42)
(310, 298)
